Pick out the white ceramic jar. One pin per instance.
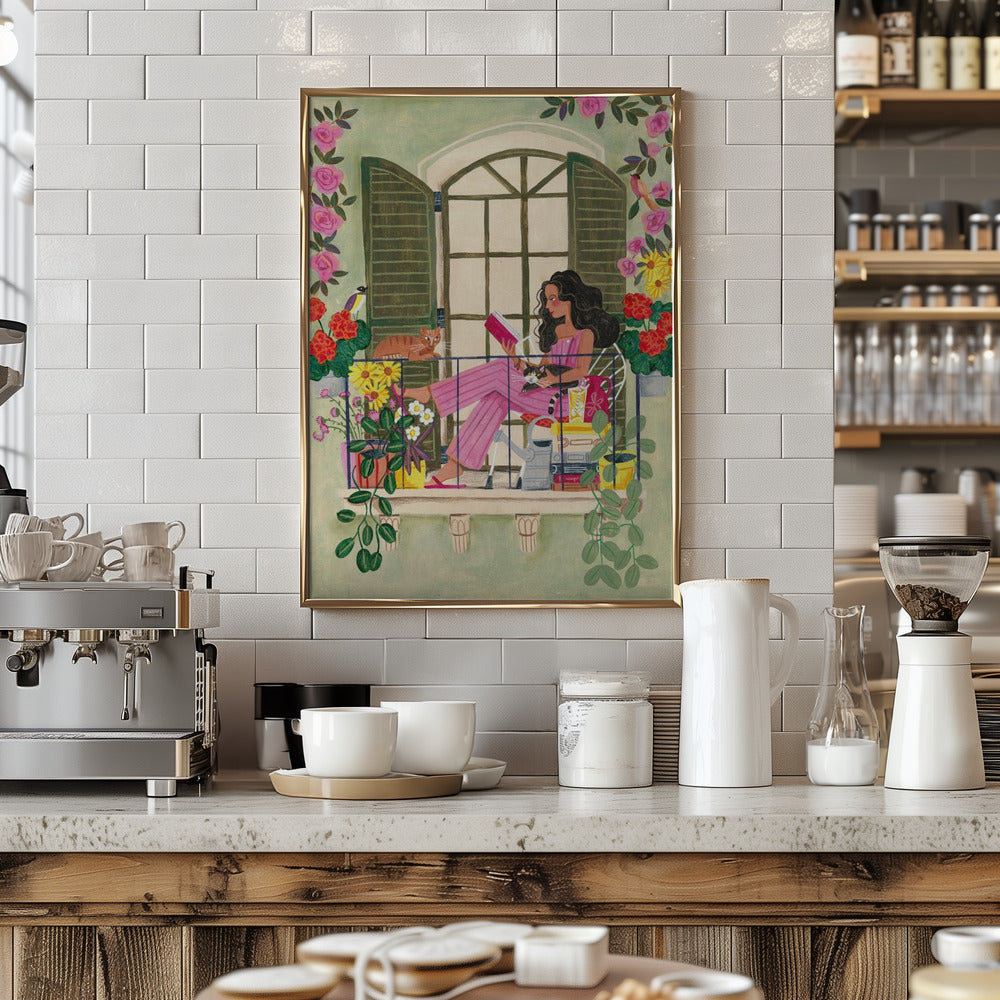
(605, 729)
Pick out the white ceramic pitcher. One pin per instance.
(726, 687)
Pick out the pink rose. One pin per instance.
(635, 246)
(653, 148)
(325, 135)
(653, 222)
(660, 190)
(327, 179)
(324, 264)
(628, 267)
(590, 106)
(325, 221)
(657, 124)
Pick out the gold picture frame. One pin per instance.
(490, 348)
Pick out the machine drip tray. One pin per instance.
(95, 734)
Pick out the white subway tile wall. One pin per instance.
(167, 316)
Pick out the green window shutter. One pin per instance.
(597, 227)
(400, 249)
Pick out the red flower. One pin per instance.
(638, 306)
(665, 325)
(651, 342)
(317, 307)
(322, 348)
(342, 327)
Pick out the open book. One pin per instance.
(503, 333)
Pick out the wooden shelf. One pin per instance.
(857, 107)
(860, 265)
(897, 314)
(871, 437)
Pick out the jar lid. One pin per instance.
(930, 217)
(937, 982)
(882, 217)
(604, 683)
(906, 217)
(858, 217)
(979, 218)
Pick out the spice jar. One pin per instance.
(605, 729)
(907, 232)
(986, 297)
(931, 231)
(980, 231)
(859, 231)
(910, 297)
(959, 297)
(883, 237)
(934, 297)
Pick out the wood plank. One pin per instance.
(919, 947)
(645, 941)
(776, 958)
(710, 946)
(140, 961)
(864, 963)
(215, 951)
(54, 963)
(7, 963)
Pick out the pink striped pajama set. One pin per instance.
(495, 389)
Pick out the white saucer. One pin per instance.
(482, 772)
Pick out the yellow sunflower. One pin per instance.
(365, 375)
(659, 272)
(389, 371)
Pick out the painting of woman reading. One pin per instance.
(573, 326)
(490, 406)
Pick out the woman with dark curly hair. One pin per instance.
(573, 326)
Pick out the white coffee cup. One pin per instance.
(148, 562)
(347, 742)
(20, 523)
(27, 555)
(17, 524)
(81, 565)
(112, 560)
(434, 737)
(150, 533)
(57, 525)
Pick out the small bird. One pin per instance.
(640, 190)
(355, 301)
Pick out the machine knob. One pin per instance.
(25, 659)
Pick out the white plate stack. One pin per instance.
(930, 514)
(855, 520)
(666, 704)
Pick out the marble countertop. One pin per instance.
(244, 814)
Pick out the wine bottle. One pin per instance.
(991, 46)
(932, 49)
(898, 28)
(964, 44)
(857, 47)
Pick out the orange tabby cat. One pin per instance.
(407, 347)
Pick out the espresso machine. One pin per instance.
(109, 681)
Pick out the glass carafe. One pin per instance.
(842, 737)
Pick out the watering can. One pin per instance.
(536, 473)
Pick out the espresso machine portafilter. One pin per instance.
(110, 680)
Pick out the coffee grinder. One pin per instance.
(934, 740)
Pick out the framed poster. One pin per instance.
(490, 402)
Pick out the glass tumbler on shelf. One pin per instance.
(989, 373)
(914, 388)
(878, 371)
(842, 746)
(950, 396)
(864, 405)
(843, 374)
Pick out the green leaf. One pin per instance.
(599, 119)
(357, 445)
(369, 426)
(635, 535)
(645, 470)
(630, 428)
(608, 473)
(318, 114)
(632, 118)
(554, 101)
(590, 551)
(652, 167)
(592, 575)
(630, 510)
(634, 489)
(616, 111)
(610, 577)
(346, 516)
(367, 535)
(646, 561)
(349, 113)
(648, 445)
(669, 156)
(548, 112)
(598, 452)
(631, 576)
(384, 506)
(387, 532)
(599, 421)
(389, 483)
(362, 560)
(610, 497)
(385, 419)
(367, 466)
(360, 496)
(344, 547)
(611, 528)
(395, 463)
(339, 107)
(634, 210)
(587, 478)
(592, 522)
(622, 559)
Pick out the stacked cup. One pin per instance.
(147, 550)
(32, 547)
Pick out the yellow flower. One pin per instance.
(389, 371)
(659, 271)
(377, 396)
(364, 375)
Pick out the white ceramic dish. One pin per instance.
(337, 951)
(967, 947)
(557, 956)
(707, 985)
(482, 772)
(503, 933)
(282, 982)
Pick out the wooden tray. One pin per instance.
(298, 784)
